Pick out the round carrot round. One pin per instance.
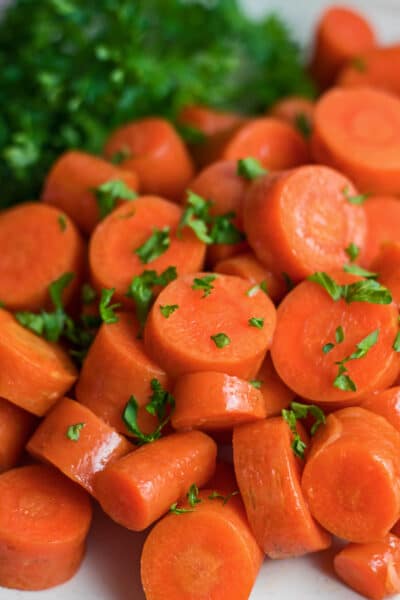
(213, 401)
(34, 373)
(210, 329)
(295, 110)
(112, 257)
(302, 221)
(116, 367)
(214, 554)
(77, 442)
(153, 149)
(276, 394)
(387, 265)
(247, 266)
(341, 35)
(383, 220)
(268, 474)
(308, 319)
(351, 478)
(44, 520)
(386, 404)
(274, 143)
(139, 488)
(372, 570)
(38, 244)
(356, 130)
(72, 182)
(16, 425)
(224, 479)
(207, 120)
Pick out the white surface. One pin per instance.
(111, 567)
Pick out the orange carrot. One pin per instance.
(247, 266)
(152, 148)
(383, 219)
(351, 478)
(139, 488)
(386, 404)
(297, 111)
(207, 120)
(356, 130)
(77, 442)
(115, 367)
(302, 221)
(213, 401)
(75, 184)
(387, 265)
(215, 555)
(210, 329)
(277, 395)
(372, 570)
(274, 143)
(34, 373)
(341, 35)
(268, 474)
(309, 354)
(38, 244)
(44, 520)
(116, 241)
(224, 479)
(16, 425)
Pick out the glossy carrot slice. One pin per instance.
(224, 479)
(383, 219)
(16, 425)
(387, 265)
(276, 394)
(295, 110)
(206, 119)
(386, 404)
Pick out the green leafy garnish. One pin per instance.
(193, 495)
(161, 404)
(256, 383)
(220, 340)
(107, 310)
(168, 309)
(160, 401)
(289, 281)
(62, 221)
(352, 251)
(223, 230)
(250, 168)
(325, 281)
(225, 499)
(361, 291)
(256, 288)
(342, 380)
(298, 446)
(301, 411)
(204, 284)
(88, 294)
(121, 155)
(109, 192)
(191, 134)
(357, 270)
(179, 511)
(74, 431)
(328, 347)
(155, 245)
(303, 125)
(358, 199)
(255, 322)
(396, 343)
(141, 290)
(339, 334)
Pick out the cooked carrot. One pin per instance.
(277, 395)
(115, 368)
(16, 425)
(351, 478)
(152, 148)
(224, 479)
(38, 244)
(220, 184)
(341, 35)
(77, 442)
(139, 488)
(274, 143)
(385, 403)
(302, 221)
(297, 111)
(210, 329)
(213, 401)
(214, 554)
(44, 520)
(72, 183)
(379, 68)
(307, 357)
(372, 570)
(34, 373)
(112, 257)
(268, 474)
(383, 219)
(356, 130)
(387, 265)
(207, 120)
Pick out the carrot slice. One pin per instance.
(295, 110)
(112, 257)
(341, 35)
(356, 130)
(213, 401)
(207, 120)
(224, 479)
(152, 148)
(378, 68)
(44, 520)
(247, 266)
(139, 488)
(302, 221)
(274, 143)
(34, 373)
(77, 442)
(387, 264)
(215, 555)
(372, 570)
(71, 183)
(220, 184)
(386, 404)
(383, 219)
(210, 329)
(16, 425)
(308, 319)
(276, 394)
(351, 478)
(268, 474)
(116, 367)
(36, 249)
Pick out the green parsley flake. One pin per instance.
(396, 343)
(256, 383)
(141, 290)
(256, 322)
(155, 245)
(107, 310)
(357, 270)
(74, 431)
(109, 192)
(303, 125)
(62, 221)
(225, 499)
(352, 251)
(204, 284)
(250, 168)
(220, 340)
(256, 288)
(168, 309)
(358, 199)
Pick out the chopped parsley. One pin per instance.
(256, 322)
(342, 380)
(256, 288)
(155, 245)
(357, 199)
(62, 221)
(256, 383)
(357, 270)
(303, 124)
(250, 168)
(225, 499)
(74, 431)
(204, 284)
(168, 309)
(301, 411)
(109, 192)
(141, 290)
(88, 294)
(352, 251)
(107, 310)
(220, 340)
(361, 291)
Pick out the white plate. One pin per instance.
(111, 567)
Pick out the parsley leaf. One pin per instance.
(250, 168)
(352, 251)
(193, 495)
(328, 347)
(255, 322)
(88, 294)
(155, 245)
(303, 125)
(57, 287)
(62, 221)
(106, 309)
(256, 383)
(301, 411)
(357, 270)
(74, 431)
(121, 155)
(357, 199)
(168, 309)
(223, 230)
(141, 290)
(325, 281)
(256, 288)
(109, 192)
(204, 284)
(225, 499)
(361, 291)
(191, 135)
(220, 340)
(179, 511)
(298, 446)
(160, 401)
(342, 380)
(339, 335)
(396, 343)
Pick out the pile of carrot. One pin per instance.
(165, 299)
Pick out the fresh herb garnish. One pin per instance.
(88, 294)
(107, 310)
(225, 499)
(161, 401)
(357, 199)
(193, 495)
(191, 134)
(220, 340)
(62, 221)
(361, 291)
(250, 168)
(109, 192)
(301, 411)
(168, 309)
(352, 251)
(204, 284)
(303, 124)
(256, 322)
(256, 383)
(396, 343)
(141, 290)
(155, 245)
(339, 334)
(342, 380)
(328, 347)
(121, 155)
(256, 288)
(357, 270)
(74, 431)
(179, 511)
